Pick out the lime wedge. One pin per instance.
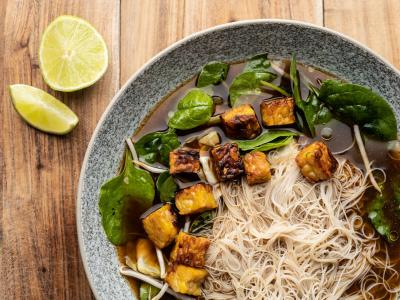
(72, 54)
(42, 110)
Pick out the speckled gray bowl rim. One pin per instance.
(165, 52)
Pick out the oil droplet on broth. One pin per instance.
(327, 133)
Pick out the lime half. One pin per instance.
(42, 110)
(72, 54)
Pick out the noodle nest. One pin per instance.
(290, 239)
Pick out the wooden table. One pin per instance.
(39, 251)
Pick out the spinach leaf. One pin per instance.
(166, 187)
(202, 222)
(264, 139)
(301, 122)
(155, 147)
(295, 82)
(315, 112)
(258, 63)
(377, 216)
(275, 144)
(212, 73)
(323, 116)
(248, 83)
(384, 210)
(195, 109)
(147, 291)
(355, 104)
(123, 199)
(310, 112)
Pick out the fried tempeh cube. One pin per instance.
(316, 162)
(186, 280)
(195, 199)
(161, 226)
(256, 167)
(278, 112)
(227, 161)
(184, 160)
(241, 122)
(190, 250)
(146, 257)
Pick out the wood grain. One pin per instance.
(40, 256)
(39, 172)
(147, 27)
(373, 23)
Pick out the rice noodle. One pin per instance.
(124, 270)
(290, 239)
(161, 262)
(161, 292)
(187, 224)
(149, 168)
(132, 149)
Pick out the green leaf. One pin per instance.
(147, 291)
(323, 116)
(315, 112)
(295, 82)
(195, 109)
(275, 144)
(258, 64)
(202, 222)
(384, 209)
(248, 83)
(377, 216)
(166, 187)
(212, 73)
(123, 199)
(310, 112)
(263, 139)
(156, 146)
(301, 122)
(355, 104)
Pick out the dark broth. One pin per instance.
(341, 139)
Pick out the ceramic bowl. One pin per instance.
(313, 45)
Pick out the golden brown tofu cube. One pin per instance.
(195, 199)
(130, 255)
(241, 122)
(161, 226)
(256, 167)
(190, 250)
(316, 162)
(184, 160)
(227, 161)
(146, 257)
(186, 280)
(278, 112)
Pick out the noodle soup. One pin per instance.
(260, 184)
